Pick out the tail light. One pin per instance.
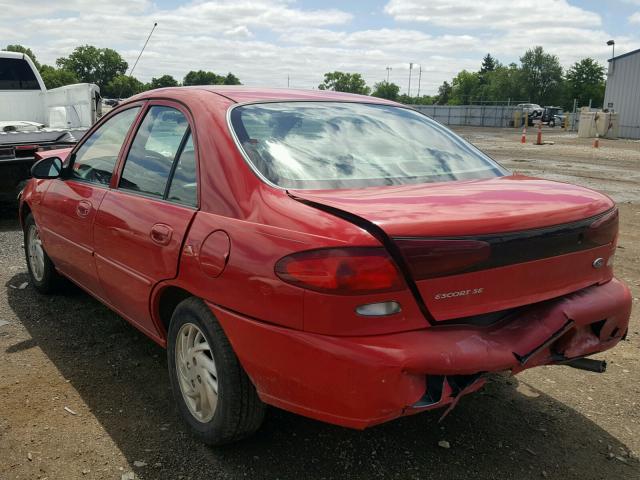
(430, 258)
(342, 271)
(604, 230)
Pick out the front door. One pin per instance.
(140, 226)
(70, 204)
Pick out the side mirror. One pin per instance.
(47, 168)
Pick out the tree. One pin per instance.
(585, 82)
(504, 83)
(465, 88)
(231, 79)
(444, 93)
(122, 86)
(489, 64)
(344, 82)
(163, 81)
(56, 77)
(94, 65)
(386, 90)
(542, 76)
(202, 78)
(25, 50)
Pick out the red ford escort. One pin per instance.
(338, 256)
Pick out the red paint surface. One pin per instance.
(307, 351)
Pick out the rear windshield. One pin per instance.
(333, 145)
(16, 74)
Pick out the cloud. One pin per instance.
(493, 15)
(635, 18)
(264, 41)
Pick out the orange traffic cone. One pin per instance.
(596, 141)
(539, 139)
(523, 139)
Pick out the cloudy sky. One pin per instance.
(264, 41)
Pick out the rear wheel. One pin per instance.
(214, 394)
(42, 273)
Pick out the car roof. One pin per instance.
(7, 54)
(243, 94)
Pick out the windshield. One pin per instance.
(333, 145)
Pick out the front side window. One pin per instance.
(333, 145)
(155, 147)
(97, 156)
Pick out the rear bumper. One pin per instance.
(362, 381)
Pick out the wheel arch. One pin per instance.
(25, 210)
(165, 301)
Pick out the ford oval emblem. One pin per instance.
(598, 262)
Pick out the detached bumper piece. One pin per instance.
(362, 381)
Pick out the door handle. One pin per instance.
(83, 208)
(161, 234)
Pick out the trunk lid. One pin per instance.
(481, 246)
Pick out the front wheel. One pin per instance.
(42, 273)
(214, 394)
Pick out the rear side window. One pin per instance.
(16, 74)
(184, 188)
(155, 147)
(95, 159)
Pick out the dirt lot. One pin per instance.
(553, 422)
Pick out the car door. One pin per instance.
(141, 224)
(70, 203)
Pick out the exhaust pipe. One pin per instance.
(588, 364)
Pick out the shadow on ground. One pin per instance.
(122, 378)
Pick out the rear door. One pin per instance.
(70, 204)
(141, 224)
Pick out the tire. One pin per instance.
(552, 123)
(236, 412)
(42, 272)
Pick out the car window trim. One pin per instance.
(163, 102)
(176, 159)
(97, 126)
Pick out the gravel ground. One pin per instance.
(84, 395)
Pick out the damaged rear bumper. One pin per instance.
(362, 381)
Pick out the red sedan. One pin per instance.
(342, 257)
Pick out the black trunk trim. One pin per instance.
(522, 246)
(380, 235)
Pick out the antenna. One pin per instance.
(155, 24)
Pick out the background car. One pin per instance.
(531, 109)
(342, 257)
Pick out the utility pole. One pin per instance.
(419, 79)
(388, 71)
(409, 89)
(287, 81)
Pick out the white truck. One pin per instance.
(34, 119)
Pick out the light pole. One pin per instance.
(388, 71)
(419, 80)
(409, 89)
(612, 44)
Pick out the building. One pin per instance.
(623, 92)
